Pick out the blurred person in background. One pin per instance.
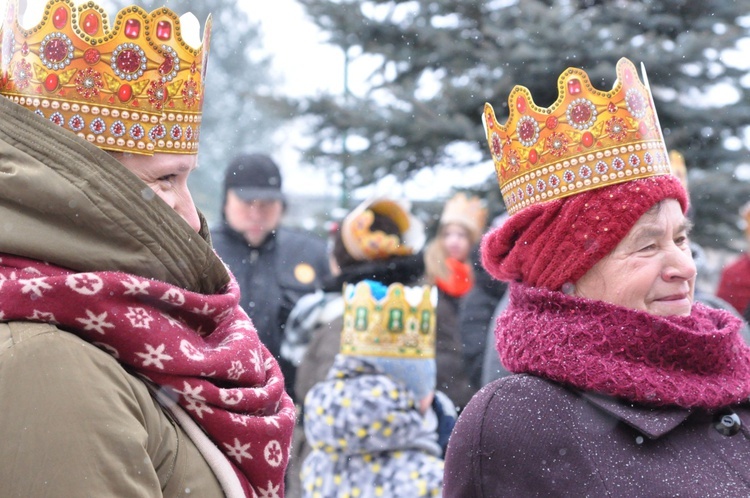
(702, 293)
(622, 384)
(274, 265)
(448, 266)
(376, 425)
(477, 316)
(734, 283)
(380, 240)
(127, 366)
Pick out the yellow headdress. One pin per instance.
(585, 140)
(679, 169)
(400, 325)
(468, 212)
(137, 87)
(364, 244)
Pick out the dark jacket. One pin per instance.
(525, 436)
(452, 376)
(475, 315)
(272, 277)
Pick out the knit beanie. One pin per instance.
(551, 243)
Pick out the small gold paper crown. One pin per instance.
(365, 244)
(585, 140)
(400, 325)
(465, 211)
(135, 88)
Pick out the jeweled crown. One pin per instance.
(585, 140)
(400, 325)
(137, 87)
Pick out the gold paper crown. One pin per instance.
(679, 169)
(136, 88)
(465, 211)
(585, 140)
(401, 324)
(364, 244)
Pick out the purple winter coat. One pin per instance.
(523, 436)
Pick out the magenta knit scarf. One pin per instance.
(201, 349)
(693, 361)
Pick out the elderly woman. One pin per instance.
(127, 367)
(623, 385)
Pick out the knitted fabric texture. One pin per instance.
(174, 338)
(696, 361)
(549, 244)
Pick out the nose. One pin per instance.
(185, 207)
(680, 264)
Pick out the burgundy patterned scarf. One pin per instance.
(202, 350)
(692, 361)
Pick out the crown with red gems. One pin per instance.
(399, 324)
(136, 87)
(585, 140)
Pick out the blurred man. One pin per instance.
(274, 265)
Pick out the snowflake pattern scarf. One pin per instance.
(696, 361)
(201, 350)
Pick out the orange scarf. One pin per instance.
(460, 280)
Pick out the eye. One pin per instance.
(168, 178)
(647, 248)
(681, 240)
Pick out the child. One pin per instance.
(375, 423)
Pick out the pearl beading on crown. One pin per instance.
(585, 140)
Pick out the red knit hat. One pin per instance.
(549, 244)
(575, 176)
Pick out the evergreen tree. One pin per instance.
(436, 62)
(233, 118)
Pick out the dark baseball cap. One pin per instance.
(254, 177)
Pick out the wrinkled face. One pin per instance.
(167, 176)
(456, 241)
(254, 219)
(651, 269)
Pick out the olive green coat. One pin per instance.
(74, 422)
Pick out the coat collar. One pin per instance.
(653, 422)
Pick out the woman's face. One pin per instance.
(651, 269)
(456, 242)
